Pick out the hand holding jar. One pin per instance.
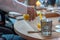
(32, 13)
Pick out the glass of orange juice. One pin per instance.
(39, 26)
(26, 16)
(41, 16)
(38, 13)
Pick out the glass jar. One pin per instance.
(46, 27)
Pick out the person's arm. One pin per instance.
(14, 5)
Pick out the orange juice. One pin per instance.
(41, 16)
(38, 3)
(26, 16)
(39, 26)
(38, 13)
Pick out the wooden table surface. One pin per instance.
(22, 27)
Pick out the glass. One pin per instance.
(41, 16)
(42, 3)
(38, 4)
(38, 13)
(57, 28)
(46, 27)
(39, 26)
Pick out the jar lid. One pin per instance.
(46, 20)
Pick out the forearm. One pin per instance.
(13, 5)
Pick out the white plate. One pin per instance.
(58, 26)
(57, 30)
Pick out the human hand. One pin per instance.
(32, 13)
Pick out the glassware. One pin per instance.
(46, 27)
(38, 3)
(41, 17)
(39, 26)
(38, 21)
(57, 28)
(38, 13)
